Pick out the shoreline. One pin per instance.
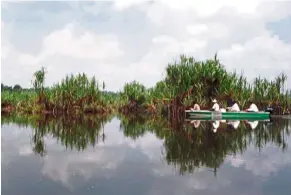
(10, 109)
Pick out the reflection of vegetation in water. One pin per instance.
(276, 133)
(186, 147)
(133, 127)
(136, 126)
(74, 133)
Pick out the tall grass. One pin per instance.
(15, 97)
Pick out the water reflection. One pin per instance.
(232, 124)
(76, 133)
(187, 146)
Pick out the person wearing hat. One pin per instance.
(234, 108)
(215, 106)
(232, 105)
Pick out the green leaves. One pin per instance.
(134, 91)
(39, 79)
(189, 72)
(75, 87)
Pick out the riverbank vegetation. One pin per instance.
(187, 81)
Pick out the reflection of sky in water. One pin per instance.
(124, 166)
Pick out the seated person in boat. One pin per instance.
(222, 110)
(253, 107)
(215, 106)
(232, 105)
(196, 107)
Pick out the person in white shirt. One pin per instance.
(222, 110)
(215, 106)
(253, 108)
(196, 107)
(233, 106)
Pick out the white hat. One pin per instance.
(214, 101)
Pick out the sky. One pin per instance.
(125, 40)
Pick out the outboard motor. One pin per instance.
(270, 110)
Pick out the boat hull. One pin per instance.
(214, 115)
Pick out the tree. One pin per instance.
(17, 87)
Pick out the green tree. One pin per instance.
(17, 87)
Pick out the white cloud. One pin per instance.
(264, 55)
(4, 52)
(26, 59)
(75, 43)
(86, 45)
(235, 29)
(121, 5)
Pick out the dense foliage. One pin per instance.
(203, 80)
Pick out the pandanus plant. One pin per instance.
(39, 79)
(204, 77)
(210, 79)
(134, 91)
(76, 90)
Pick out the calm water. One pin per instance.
(138, 156)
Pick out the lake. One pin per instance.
(130, 156)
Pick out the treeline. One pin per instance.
(17, 87)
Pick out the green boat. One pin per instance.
(217, 115)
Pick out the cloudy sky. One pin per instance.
(125, 40)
